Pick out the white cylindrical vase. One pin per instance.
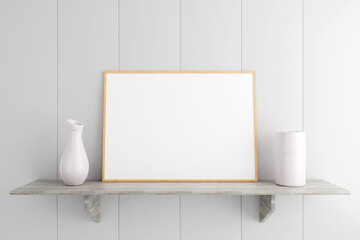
(290, 159)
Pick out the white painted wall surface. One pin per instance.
(52, 57)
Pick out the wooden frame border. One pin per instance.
(180, 180)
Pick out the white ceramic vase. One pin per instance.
(74, 164)
(290, 159)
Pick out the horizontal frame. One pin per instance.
(180, 180)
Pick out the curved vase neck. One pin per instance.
(75, 125)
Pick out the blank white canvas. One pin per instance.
(179, 126)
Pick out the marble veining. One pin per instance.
(57, 187)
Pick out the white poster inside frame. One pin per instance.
(179, 126)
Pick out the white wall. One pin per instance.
(52, 57)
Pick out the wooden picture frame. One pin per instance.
(109, 93)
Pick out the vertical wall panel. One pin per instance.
(272, 46)
(75, 223)
(28, 116)
(212, 218)
(149, 40)
(88, 46)
(149, 35)
(284, 223)
(210, 40)
(332, 86)
(210, 35)
(149, 217)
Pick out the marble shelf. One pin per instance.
(91, 190)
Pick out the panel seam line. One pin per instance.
(118, 36)
(241, 67)
(57, 115)
(303, 102)
(180, 34)
(180, 51)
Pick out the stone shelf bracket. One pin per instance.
(92, 206)
(92, 190)
(267, 206)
